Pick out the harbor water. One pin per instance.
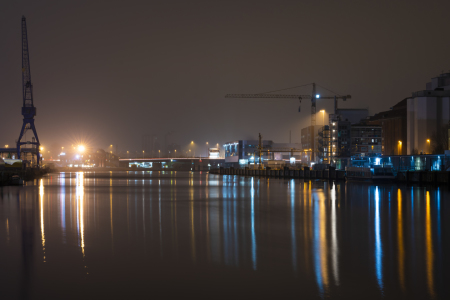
(126, 235)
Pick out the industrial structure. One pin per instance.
(314, 96)
(30, 155)
(428, 116)
(245, 153)
(28, 108)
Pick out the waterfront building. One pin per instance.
(428, 115)
(324, 144)
(241, 153)
(310, 143)
(340, 141)
(365, 140)
(393, 128)
(352, 115)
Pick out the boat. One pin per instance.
(16, 180)
(375, 173)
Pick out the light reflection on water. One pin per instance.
(321, 239)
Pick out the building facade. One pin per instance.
(243, 153)
(324, 144)
(310, 143)
(428, 115)
(366, 140)
(393, 128)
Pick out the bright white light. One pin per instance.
(292, 160)
(243, 161)
(77, 156)
(317, 96)
(81, 148)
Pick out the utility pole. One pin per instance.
(259, 152)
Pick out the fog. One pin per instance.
(111, 72)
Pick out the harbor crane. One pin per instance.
(314, 96)
(28, 108)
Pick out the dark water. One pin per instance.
(144, 235)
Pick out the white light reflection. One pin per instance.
(293, 234)
(252, 195)
(378, 244)
(63, 205)
(334, 240)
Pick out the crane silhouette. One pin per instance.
(28, 108)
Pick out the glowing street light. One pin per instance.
(429, 146)
(143, 153)
(323, 116)
(41, 148)
(159, 151)
(81, 148)
(399, 147)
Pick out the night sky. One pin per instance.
(112, 71)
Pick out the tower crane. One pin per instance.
(314, 96)
(28, 108)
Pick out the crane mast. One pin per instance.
(313, 105)
(28, 108)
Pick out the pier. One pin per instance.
(409, 177)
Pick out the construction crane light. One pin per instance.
(317, 96)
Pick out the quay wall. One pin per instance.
(410, 177)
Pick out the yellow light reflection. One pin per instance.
(41, 208)
(323, 239)
(80, 199)
(429, 246)
(191, 214)
(401, 249)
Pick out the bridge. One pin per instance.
(173, 163)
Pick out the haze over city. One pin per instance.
(113, 71)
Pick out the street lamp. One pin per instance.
(143, 153)
(429, 146)
(399, 147)
(159, 151)
(323, 116)
(207, 149)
